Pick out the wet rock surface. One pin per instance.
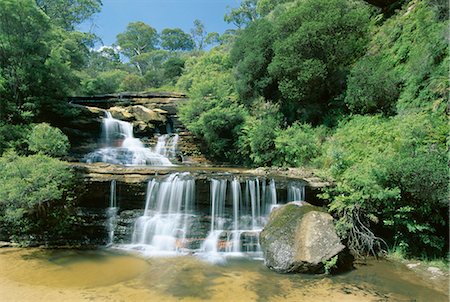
(299, 238)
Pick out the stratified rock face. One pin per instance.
(298, 238)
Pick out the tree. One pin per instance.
(243, 15)
(45, 139)
(69, 13)
(252, 53)
(172, 69)
(138, 38)
(317, 41)
(35, 196)
(37, 62)
(176, 39)
(198, 34)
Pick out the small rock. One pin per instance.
(413, 265)
(434, 270)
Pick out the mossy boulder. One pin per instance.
(301, 238)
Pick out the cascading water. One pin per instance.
(237, 222)
(119, 146)
(111, 212)
(174, 221)
(167, 145)
(164, 227)
(296, 192)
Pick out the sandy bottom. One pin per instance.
(67, 275)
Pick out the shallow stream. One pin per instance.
(109, 275)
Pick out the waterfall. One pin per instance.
(296, 192)
(237, 216)
(111, 212)
(119, 146)
(226, 224)
(165, 224)
(167, 145)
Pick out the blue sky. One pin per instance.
(160, 14)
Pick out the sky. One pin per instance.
(159, 14)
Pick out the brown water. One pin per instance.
(69, 275)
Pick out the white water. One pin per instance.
(174, 223)
(119, 146)
(111, 212)
(296, 192)
(167, 145)
(165, 223)
(235, 232)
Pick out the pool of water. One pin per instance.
(109, 275)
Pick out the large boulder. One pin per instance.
(300, 238)
(144, 114)
(120, 113)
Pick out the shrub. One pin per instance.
(257, 140)
(391, 180)
(35, 195)
(48, 140)
(298, 145)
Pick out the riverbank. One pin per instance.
(108, 275)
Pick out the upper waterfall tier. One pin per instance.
(119, 146)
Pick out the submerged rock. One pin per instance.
(300, 238)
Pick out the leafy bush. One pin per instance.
(212, 112)
(132, 82)
(104, 82)
(317, 41)
(390, 180)
(48, 140)
(257, 140)
(298, 145)
(13, 137)
(372, 87)
(35, 195)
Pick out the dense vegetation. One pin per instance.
(342, 86)
(355, 91)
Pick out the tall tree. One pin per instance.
(243, 15)
(198, 34)
(69, 13)
(317, 41)
(173, 39)
(36, 61)
(138, 38)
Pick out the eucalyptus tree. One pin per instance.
(37, 61)
(173, 39)
(137, 40)
(69, 13)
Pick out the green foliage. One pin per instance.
(212, 112)
(138, 38)
(406, 67)
(103, 82)
(376, 164)
(176, 39)
(298, 145)
(257, 141)
(34, 195)
(132, 82)
(68, 14)
(13, 137)
(313, 53)
(172, 69)
(36, 62)
(330, 264)
(251, 54)
(45, 139)
(243, 15)
(372, 87)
